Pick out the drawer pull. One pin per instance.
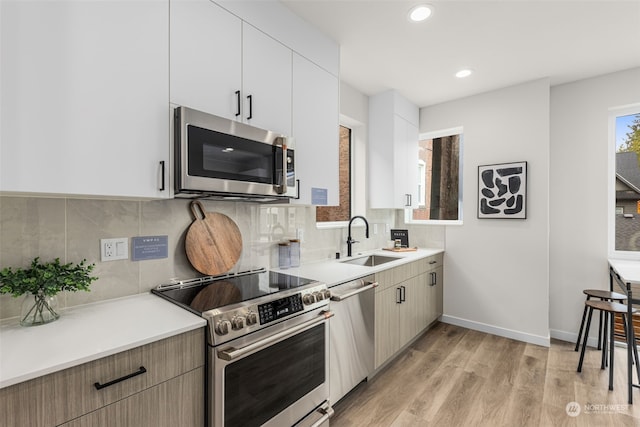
(140, 371)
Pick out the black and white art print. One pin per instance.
(502, 190)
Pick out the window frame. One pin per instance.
(358, 178)
(408, 212)
(615, 112)
(422, 182)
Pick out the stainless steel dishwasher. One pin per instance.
(351, 332)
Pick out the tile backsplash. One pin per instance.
(71, 229)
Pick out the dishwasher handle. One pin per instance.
(354, 292)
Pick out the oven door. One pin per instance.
(273, 377)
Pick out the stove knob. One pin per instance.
(252, 318)
(308, 299)
(318, 296)
(223, 327)
(237, 322)
(326, 294)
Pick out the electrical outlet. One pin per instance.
(300, 234)
(114, 249)
(109, 250)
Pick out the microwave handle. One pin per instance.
(282, 142)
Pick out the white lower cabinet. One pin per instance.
(408, 300)
(84, 98)
(158, 384)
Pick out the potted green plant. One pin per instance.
(41, 282)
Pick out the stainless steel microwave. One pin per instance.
(222, 158)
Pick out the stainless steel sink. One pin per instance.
(370, 260)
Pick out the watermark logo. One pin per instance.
(606, 408)
(573, 409)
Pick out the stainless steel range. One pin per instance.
(267, 353)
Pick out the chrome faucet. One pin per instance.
(350, 241)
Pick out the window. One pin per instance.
(625, 132)
(342, 212)
(439, 178)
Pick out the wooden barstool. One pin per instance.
(602, 296)
(610, 309)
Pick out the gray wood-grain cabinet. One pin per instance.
(408, 300)
(169, 393)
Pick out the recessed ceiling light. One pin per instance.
(420, 13)
(464, 73)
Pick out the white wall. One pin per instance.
(496, 271)
(578, 196)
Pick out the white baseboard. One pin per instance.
(494, 330)
(572, 337)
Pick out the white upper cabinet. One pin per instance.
(315, 131)
(266, 81)
(206, 58)
(86, 88)
(393, 152)
(224, 66)
(84, 98)
(223, 62)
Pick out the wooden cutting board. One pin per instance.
(213, 242)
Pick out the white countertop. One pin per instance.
(627, 269)
(94, 331)
(87, 333)
(334, 272)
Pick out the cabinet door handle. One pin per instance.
(140, 371)
(434, 279)
(250, 98)
(433, 262)
(408, 201)
(398, 296)
(161, 175)
(403, 294)
(238, 102)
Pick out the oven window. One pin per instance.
(260, 386)
(217, 155)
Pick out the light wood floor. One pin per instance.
(453, 376)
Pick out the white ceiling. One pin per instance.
(505, 42)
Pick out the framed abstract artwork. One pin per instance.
(502, 190)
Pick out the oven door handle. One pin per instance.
(231, 353)
(327, 412)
